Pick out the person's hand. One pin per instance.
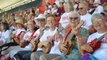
(76, 30)
(87, 48)
(32, 42)
(105, 38)
(12, 36)
(40, 45)
(23, 43)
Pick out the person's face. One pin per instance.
(67, 8)
(51, 21)
(82, 9)
(19, 25)
(30, 25)
(98, 24)
(2, 27)
(74, 21)
(61, 4)
(41, 23)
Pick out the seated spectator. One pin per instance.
(98, 7)
(25, 42)
(97, 50)
(86, 17)
(74, 53)
(16, 36)
(5, 33)
(64, 21)
(47, 38)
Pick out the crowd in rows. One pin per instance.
(67, 30)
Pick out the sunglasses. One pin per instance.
(75, 18)
(80, 8)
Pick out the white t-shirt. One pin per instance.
(64, 21)
(101, 53)
(27, 37)
(49, 34)
(37, 33)
(55, 48)
(4, 36)
(93, 36)
(87, 20)
(54, 10)
(99, 9)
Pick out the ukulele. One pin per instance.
(35, 43)
(47, 48)
(67, 45)
(24, 43)
(95, 44)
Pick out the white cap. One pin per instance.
(97, 1)
(40, 16)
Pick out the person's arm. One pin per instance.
(82, 44)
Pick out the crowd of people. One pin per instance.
(67, 30)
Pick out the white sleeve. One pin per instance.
(100, 9)
(7, 34)
(91, 38)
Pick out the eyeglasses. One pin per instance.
(80, 8)
(75, 18)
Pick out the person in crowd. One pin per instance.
(54, 52)
(86, 17)
(48, 9)
(77, 31)
(100, 53)
(75, 4)
(5, 33)
(98, 7)
(60, 10)
(40, 20)
(46, 38)
(25, 42)
(15, 37)
(54, 9)
(64, 17)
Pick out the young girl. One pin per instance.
(5, 33)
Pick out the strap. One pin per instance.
(32, 34)
(68, 32)
(18, 36)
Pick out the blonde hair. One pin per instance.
(97, 16)
(68, 5)
(72, 13)
(84, 3)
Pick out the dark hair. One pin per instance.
(6, 25)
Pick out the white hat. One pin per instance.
(40, 16)
(97, 1)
